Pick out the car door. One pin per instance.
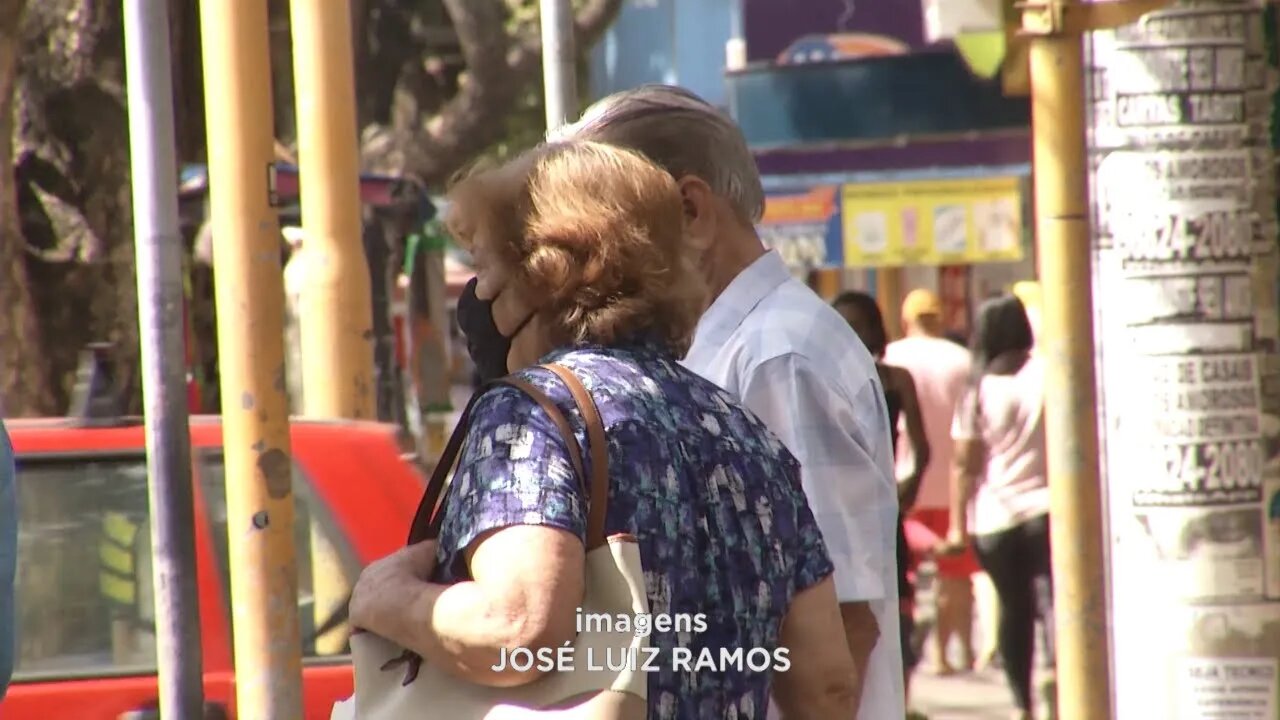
(327, 570)
(86, 618)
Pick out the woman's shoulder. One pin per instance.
(602, 371)
(504, 403)
(623, 369)
(596, 357)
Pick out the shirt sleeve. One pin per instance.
(853, 498)
(514, 469)
(813, 562)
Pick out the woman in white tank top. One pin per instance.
(1000, 493)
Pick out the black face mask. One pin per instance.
(486, 344)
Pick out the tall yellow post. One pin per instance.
(1054, 30)
(827, 282)
(1062, 231)
(249, 293)
(337, 307)
(889, 296)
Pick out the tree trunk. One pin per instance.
(24, 382)
(431, 142)
(65, 214)
(73, 187)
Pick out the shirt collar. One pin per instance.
(743, 294)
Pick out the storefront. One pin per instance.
(965, 235)
(895, 147)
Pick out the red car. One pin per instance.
(86, 646)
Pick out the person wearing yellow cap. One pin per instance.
(940, 369)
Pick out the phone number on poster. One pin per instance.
(1187, 235)
(1204, 474)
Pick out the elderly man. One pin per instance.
(8, 559)
(791, 359)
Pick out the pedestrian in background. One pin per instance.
(785, 354)
(863, 314)
(8, 559)
(940, 369)
(1000, 495)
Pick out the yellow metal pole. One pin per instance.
(889, 296)
(1062, 231)
(826, 282)
(249, 294)
(337, 306)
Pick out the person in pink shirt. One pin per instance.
(941, 369)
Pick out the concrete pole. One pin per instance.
(559, 63)
(735, 50)
(249, 292)
(337, 300)
(158, 248)
(1186, 261)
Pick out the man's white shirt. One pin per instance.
(794, 362)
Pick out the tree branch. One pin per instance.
(499, 68)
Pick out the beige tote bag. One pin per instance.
(394, 684)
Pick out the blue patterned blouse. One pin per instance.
(713, 498)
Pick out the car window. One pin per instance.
(84, 588)
(327, 564)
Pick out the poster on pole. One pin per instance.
(1184, 217)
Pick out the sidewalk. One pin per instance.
(977, 695)
(980, 695)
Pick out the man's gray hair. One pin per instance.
(681, 132)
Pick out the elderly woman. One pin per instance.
(581, 260)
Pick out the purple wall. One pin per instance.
(771, 25)
(1013, 148)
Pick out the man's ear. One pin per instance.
(699, 211)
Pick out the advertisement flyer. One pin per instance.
(1184, 215)
(804, 227)
(1243, 689)
(933, 222)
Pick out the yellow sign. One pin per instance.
(932, 222)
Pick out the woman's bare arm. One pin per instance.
(528, 581)
(822, 682)
(969, 460)
(909, 487)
